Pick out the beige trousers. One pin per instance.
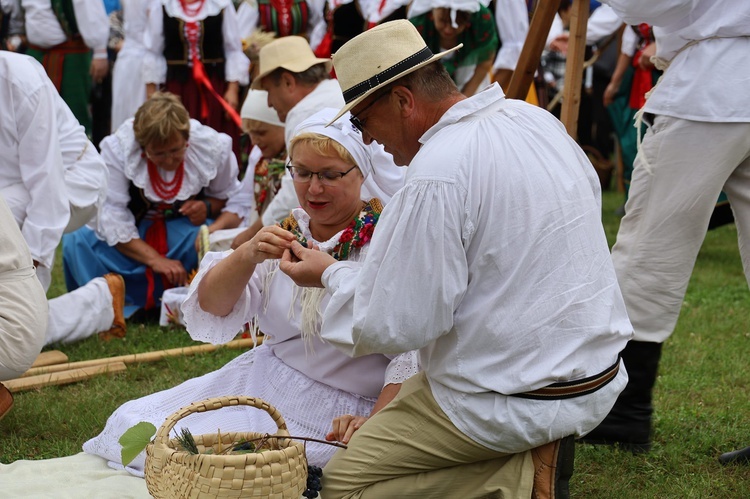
(411, 449)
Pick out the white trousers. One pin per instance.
(679, 172)
(81, 313)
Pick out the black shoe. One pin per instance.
(741, 456)
(628, 424)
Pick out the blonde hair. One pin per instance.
(160, 118)
(321, 145)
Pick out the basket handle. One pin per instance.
(212, 404)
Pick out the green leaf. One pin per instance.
(135, 439)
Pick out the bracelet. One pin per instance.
(208, 208)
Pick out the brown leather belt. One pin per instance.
(570, 389)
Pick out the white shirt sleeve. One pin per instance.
(93, 24)
(602, 23)
(42, 173)
(512, 18)
(247, 18)
(417, 228)
(116, 222)
(237, 66)
(401, 368)
(225, 184)
(629, 42)
(659, 13)
(317, 22)
(154, 63)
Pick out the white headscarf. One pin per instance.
(419, 7)
(256, 108)
(382, 177)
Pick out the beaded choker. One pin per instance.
(356, 235)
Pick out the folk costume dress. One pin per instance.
(309, 381)
(480, 42)
(62, 35)
(139, 200)
(190, 45)
(284, 18)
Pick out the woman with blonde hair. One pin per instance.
(168, 175)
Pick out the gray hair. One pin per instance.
(311, 76)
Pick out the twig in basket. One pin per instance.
(264, 438)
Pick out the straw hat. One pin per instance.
(292, 53)
(379, 56)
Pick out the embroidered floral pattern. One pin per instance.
(357, 234)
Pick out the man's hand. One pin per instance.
(305, 266)
(99, 69)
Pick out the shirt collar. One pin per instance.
(466, 107)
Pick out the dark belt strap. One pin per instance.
(570, 389)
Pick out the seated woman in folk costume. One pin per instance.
(194, 50)
(168, 174)
(266, 166)
(309, 381)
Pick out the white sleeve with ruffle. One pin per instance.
(116, 222)
(401, 368)
(154, 68)
(210, 328)
(237, 65)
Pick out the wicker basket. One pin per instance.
(277, 473)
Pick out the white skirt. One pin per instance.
(308, 407)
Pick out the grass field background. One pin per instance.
(701, 397)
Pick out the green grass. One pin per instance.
(701, 397)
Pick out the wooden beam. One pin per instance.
(62, 377)
(579, 16)
(142, 357)
(531, 53)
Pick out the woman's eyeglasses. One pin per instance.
(326, 177)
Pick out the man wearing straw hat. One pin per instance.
(493, 263)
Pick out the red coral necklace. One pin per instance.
(162, 188)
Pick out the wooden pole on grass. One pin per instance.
(62, 378)
(141, 357)
(531, 53)
(574, 67)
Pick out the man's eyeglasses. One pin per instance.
(177, 151)
(326, 177)
(360, 124)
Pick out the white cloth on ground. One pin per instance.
(72, 477)
(525, 294)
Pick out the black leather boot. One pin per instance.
(741, 456)
(629, 422)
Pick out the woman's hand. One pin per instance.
(173, 270)
(269, 243)
(344, 427)
(196, 211)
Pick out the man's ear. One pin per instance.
(288, 81)
(405, 99)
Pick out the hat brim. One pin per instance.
(294, 68)
(422, 64)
